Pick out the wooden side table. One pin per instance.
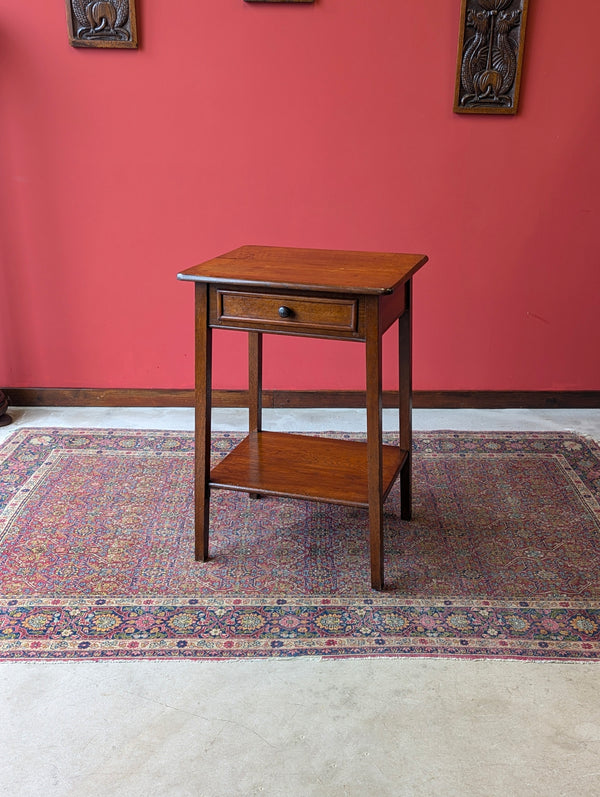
(353, 296)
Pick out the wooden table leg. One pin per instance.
(5, 418)
(255, 380)
(374, 440)
(255, 351)
(405, 402)
(203, 350)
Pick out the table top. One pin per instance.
(327, 270)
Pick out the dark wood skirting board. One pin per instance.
(332, 399)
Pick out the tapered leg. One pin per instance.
(405, 402)
(202, 421)
(374, 440)
(255, 385)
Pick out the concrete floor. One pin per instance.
(301, 727)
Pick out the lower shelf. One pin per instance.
(300, 466)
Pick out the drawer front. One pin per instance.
(286, 313)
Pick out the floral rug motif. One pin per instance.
(500, 560)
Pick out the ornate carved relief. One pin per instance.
(490, 56)
(102, 23)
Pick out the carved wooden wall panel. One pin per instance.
(102, 23)
(490, 56)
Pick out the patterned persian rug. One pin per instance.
(502, 558)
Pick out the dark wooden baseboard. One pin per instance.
(438, 399)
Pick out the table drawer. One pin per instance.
(288, 313)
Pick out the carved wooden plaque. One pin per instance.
(490, 56)
(102, 23)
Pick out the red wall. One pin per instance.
(325, 125)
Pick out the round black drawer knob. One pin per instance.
(285, 312)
